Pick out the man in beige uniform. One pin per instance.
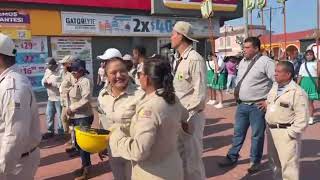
(190, 86)
(287, 117)
(19, 119)
(66, 84)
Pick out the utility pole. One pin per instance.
(285, 29)
(270, 33)
(318, 27)
(245, 17)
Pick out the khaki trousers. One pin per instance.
(65, 119)
(121, 168)
(26, 168)
(284, 154)
(191, 147)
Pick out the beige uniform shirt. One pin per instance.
(291, 106)
(190, 81)
(80, 97)
(66, 84)
(152, 141)
(19, 119)
(118, 109)
(54, 78)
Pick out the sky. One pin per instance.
(301, 15)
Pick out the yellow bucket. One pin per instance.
(91, 141)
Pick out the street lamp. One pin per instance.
(270, 22)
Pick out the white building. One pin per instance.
(231, 38)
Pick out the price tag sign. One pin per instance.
(30, 58)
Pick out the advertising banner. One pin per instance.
(30, 58)
(15, 23)
(218, 5)
(76, 46)
(126, 25)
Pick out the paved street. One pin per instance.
(56, 165)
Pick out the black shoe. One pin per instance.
(47, 135)
(74, 154)
(227, 162)
(254, 167)
(70, 150)
(85, 173)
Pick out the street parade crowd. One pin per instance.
(153, 109)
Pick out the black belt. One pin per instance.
(248, 102)
(279, 126)
(29, 152)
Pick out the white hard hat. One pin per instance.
(127, 57)
(110, 53)
(7, 46)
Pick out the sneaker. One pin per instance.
(219, 106)
(254, 167)
(211, 102)
(47, 135)
(310, 121)
(227, 162)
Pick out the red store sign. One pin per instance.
(117, 4)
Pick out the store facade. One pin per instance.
(86, 29)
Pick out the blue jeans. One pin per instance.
(248, 115)
(231, 83)
(53, 108)
(83, 122)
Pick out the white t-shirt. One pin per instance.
(102, 74)
(312, 67)
(221, 64)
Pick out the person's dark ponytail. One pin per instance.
(159, 71)
(168, 89)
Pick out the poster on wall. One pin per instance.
(128, 25)
(15, 23)
(31, 59)
(76, 46)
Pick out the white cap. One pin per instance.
(68, 59)
(110, 53)
(7, 46)
(127, 57)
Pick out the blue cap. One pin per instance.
(79, 65)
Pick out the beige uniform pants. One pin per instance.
(120, 167)
(284, 154)
(26, 168)
(65, 119)
(191, 147)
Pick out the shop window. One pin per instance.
(221, 44)
(228, 41)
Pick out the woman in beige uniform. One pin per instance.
(117, 101)
(151, 142)
(80, 109)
